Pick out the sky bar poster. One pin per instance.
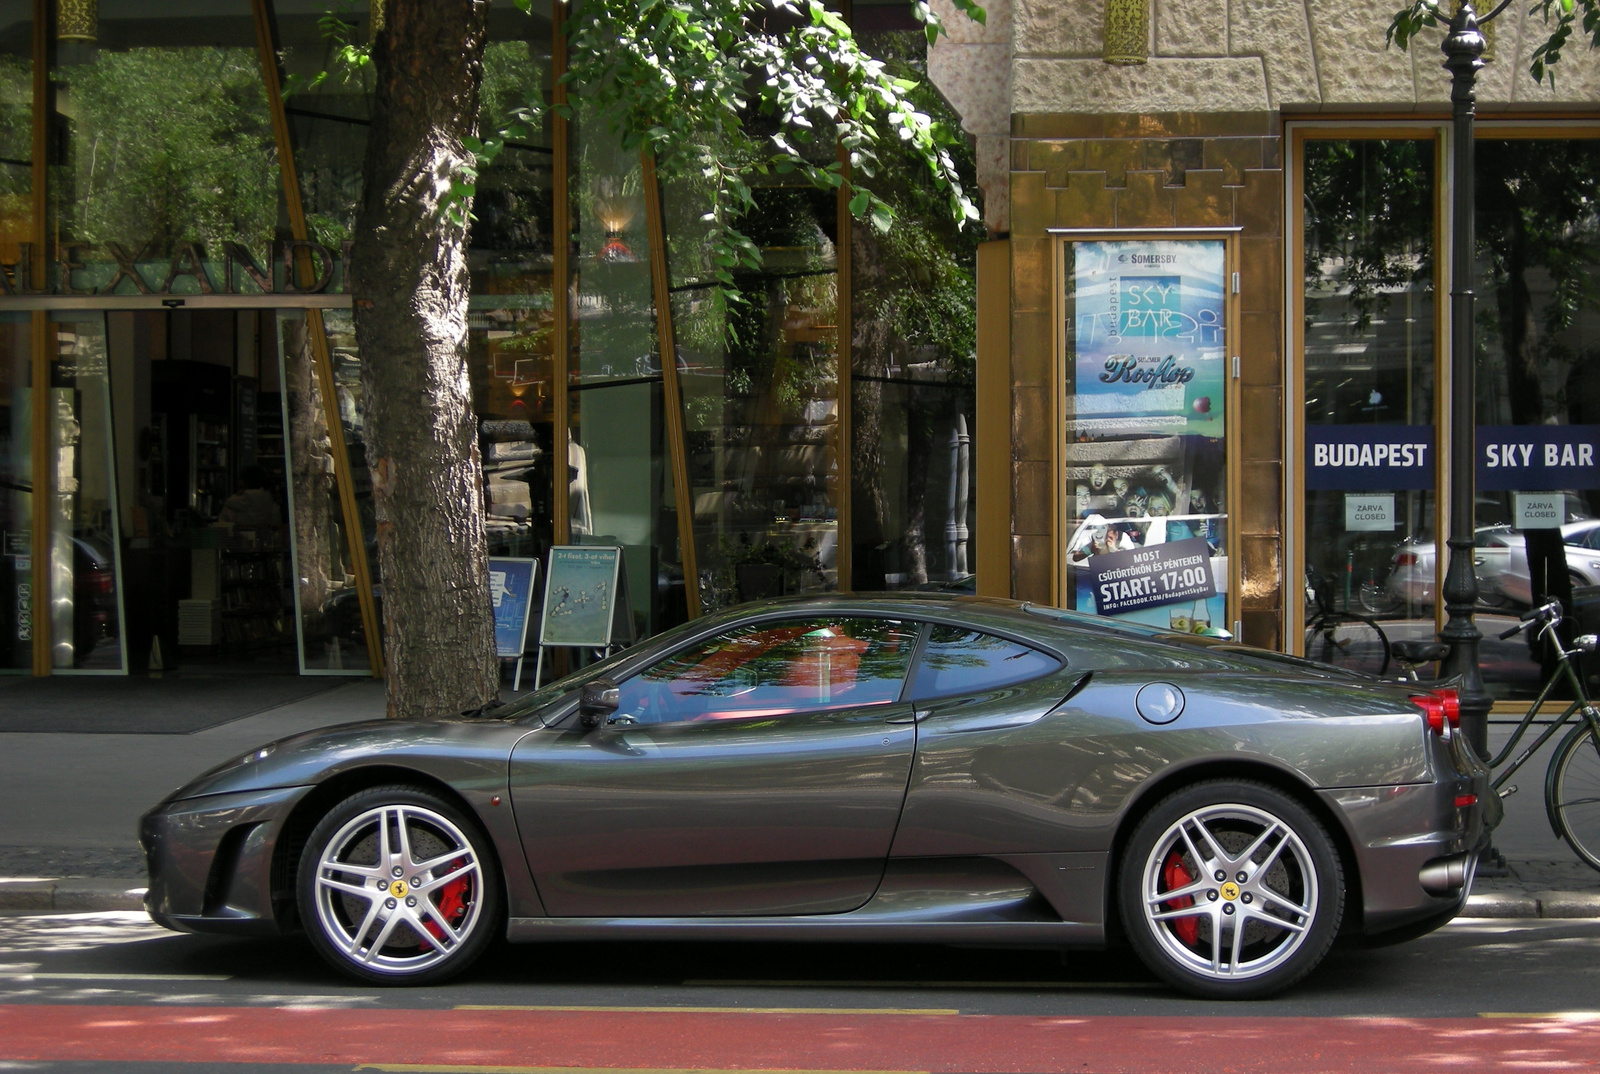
(1145, 326)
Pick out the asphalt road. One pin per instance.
(112, 992)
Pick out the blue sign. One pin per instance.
(1151, 576)
(1356, 457)
(1537, 458)
(511, 589)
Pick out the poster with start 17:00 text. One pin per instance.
(1145, 465)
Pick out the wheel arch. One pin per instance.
(1279, 779)
(314, 806)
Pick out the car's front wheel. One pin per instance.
(397, 886)
(1231, 890)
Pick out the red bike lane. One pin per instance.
(505, 1041)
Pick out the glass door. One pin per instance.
(85, 613)
(1144, 472)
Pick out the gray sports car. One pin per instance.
(933, 769)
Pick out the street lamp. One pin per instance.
(1463, 51)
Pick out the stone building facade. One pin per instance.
(1198, 137)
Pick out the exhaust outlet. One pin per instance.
(1446, 876)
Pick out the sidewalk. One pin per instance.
(71, 800)
(71, 803)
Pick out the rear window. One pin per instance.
(957, 660)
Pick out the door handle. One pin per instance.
(904, 717)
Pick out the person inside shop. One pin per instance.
(252, 505)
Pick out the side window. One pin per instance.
(959, 661)
(774, 669)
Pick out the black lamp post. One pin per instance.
(1463, 51)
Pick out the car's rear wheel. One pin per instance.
(397, 886)
(1231, 890)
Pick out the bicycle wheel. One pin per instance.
(1348, 641)
(1573, 793)
(1376, 598)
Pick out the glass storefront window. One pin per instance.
(619, 483)
(85, 546)
(1367, 527)
(761, 393)
(16, 129)
(332, 632)
(16, 493)
(913, 352)
(165, 151)
(1538, 392)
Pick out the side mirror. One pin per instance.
(597, 701)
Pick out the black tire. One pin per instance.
(1348, 641)
(1574, 793)
(1293, 893)
(384, 928)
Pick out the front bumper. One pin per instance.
(210, 860)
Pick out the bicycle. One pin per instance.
(1342, 638)
(1572, 782)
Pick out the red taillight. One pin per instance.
(1442, 708)
(1465, 800)
(1406, 559)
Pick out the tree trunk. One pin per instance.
(411, 288)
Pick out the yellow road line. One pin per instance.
(955, 985)
(30, 975)
(704, 1010)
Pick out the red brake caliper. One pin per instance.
(1174, 875)
(452, 902)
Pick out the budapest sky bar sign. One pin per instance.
(1521, 458)
(114, 268)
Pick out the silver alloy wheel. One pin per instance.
(1229, 892)
(399, 889)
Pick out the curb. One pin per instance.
(1549, 904)
(74, 896)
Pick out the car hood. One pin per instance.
(313, 756)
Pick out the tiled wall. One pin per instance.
(1152, 170)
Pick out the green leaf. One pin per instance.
(859, 202)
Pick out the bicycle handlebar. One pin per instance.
(1544, 613)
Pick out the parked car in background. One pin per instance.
(1500, 562)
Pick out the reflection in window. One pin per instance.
(774, 670)
(85, 611)
(162, 145)
(761, 392)
(960, 661)
(1369, 360)
(1538, 336)
(619, 486)
(332, 631)
(16, 493)
(913, 350)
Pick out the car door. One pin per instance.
(980, 699)
(759, 771)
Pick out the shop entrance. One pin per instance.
(198, 412)
(176, 469)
